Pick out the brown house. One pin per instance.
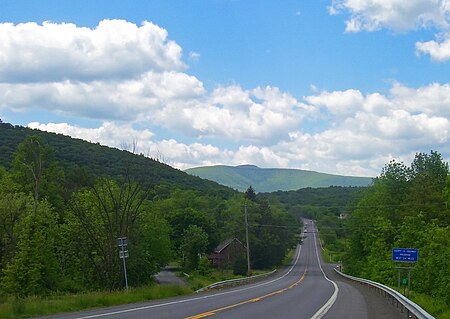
(227, 252)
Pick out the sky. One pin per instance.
(335, 86)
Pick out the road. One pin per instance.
(306, 289)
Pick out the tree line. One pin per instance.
(60, 224)
(406, 207)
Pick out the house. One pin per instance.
(227, 252)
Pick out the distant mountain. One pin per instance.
(273, 179)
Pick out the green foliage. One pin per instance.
(35, 169)
(405, 207)
(240, 266)
(250, 194)
(193, 244)
(57, 303)
(313, 203)
(33, 269)
(64, 202)
(204, 267)
(97, 161)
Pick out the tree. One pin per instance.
(181, 220)
(36, 170)
(13, 208)
(193, 244)
(100, 215)
(250, 194)
(34, 268)
(428, 179)
(28, 162)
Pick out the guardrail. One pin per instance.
(234, 282)
(411, 309)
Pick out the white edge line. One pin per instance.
(322, 311)
(193, 299)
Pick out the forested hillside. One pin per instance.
(87, 161)
(64, 203)
(315, 203)
(406, 207)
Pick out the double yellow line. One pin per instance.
(213, 312)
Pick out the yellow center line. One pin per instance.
(213, 312)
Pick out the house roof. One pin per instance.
(225, 244)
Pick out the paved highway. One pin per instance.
(303, 290)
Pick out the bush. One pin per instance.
(240, 266)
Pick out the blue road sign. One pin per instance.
(408, 255)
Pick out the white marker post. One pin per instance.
(123, 254)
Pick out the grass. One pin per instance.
(434, 306)
(11, 307)
(197, 280)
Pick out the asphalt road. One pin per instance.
(306, 289)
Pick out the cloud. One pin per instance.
(358, 140)
(397, 15)
(109, 133)
(52, 52)
(119, 71)
(358, 133)
(130, 99)
(260, 115)
(342, 103)
(400, 16)
(194, 56)
(438, 50)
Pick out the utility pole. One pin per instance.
(249, 270)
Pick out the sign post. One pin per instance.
(123, 254)
(405, 255)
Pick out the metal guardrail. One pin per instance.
(411, 309)
(234, 282)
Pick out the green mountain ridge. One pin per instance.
(80, 157)
(273, 179)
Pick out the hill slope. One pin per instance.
(97, 160)
(273, 179)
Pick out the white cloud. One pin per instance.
(261, 115)
(433, 99)
(109, 133)
(358, 133)
(400, 16)
(438, 50)
(132, 99)
(194, 56)
(56, 52)
(397, 15)
(364, 131)
(341, 103)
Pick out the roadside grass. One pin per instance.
(11, 307)
(197, 280)
(434, 306)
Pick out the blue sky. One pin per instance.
(333, 86)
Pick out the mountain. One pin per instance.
(80, 158)
(273, 179)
